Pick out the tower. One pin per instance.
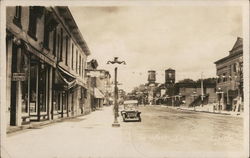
(151, 76)
(169, 76)
(169, 81)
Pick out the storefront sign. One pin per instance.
(18, 76)
(94, 74)
(163, 91)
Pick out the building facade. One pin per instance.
(190, 94)
(46, 58)
(230, 78)
(99, 85)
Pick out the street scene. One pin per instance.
(163, 131)
(124, 81)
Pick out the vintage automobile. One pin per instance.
(130, 111)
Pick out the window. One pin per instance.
(76, 61)
(54, 43)
(80, 64)
(230, 72)
(72, 57)
(58, 46)
(61, 46)
(234, 69)
(47, 30)
(17, 17)
(32, 22)
(66, 52)
(82, 67)
(219, 79)
(224, 77)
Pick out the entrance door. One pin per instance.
(13, 104)
(13, 101)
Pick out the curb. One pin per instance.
(228, 114)
(36, 125)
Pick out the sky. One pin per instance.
(188, 39)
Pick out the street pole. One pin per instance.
(115, 124)
(202, 90)
(116, 107)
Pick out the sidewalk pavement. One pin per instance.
(38, 124)
(208, 109)
(85, 136)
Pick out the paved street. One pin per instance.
(163, 132)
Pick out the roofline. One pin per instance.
(228, 57)
(79, 40)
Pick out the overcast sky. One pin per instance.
(188, 39)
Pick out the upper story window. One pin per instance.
(35, 13)
(224, 77)
(219, 80)
(234, 67)
(17, 17)
(54, 42)
(67, 50)
(58, 46)
(61, 45)
(72, 57)
(80, 65)
(49, 26)
(76, 61)
(83, 67)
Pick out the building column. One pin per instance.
(223, 101)
(8, 80)
(18, 91)
(50, 93)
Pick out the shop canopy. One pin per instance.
(98, 93)
(64, 79)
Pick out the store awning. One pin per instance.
(98, 93)
(64, 80)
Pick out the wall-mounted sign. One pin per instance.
(95, 74)
(18, 76)
(163, 92)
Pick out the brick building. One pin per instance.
(190, 94)
(230, 78)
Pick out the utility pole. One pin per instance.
(116, 106)
(202, 91)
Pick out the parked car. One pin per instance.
(130, 111)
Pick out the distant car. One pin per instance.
(130, 111)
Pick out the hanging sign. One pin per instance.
(18, 76)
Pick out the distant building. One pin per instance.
(98, 85)
(189, 94)
(230, 78)
(151, 76)
(169, 81)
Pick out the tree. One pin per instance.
(187, 80)
(207, 81)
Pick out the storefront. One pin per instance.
(19, 86)
(63, 93)
(39, 89)
(99, 97)
(28, 83)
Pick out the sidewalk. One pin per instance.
(207, 109)
(39, 124)
(85, 136)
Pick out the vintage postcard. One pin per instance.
(121, 79)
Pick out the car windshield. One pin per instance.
(129, 106)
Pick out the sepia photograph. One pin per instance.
(124, 79)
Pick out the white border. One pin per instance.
(243, 3)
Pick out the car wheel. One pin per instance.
(139, 119)
(124, 118)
